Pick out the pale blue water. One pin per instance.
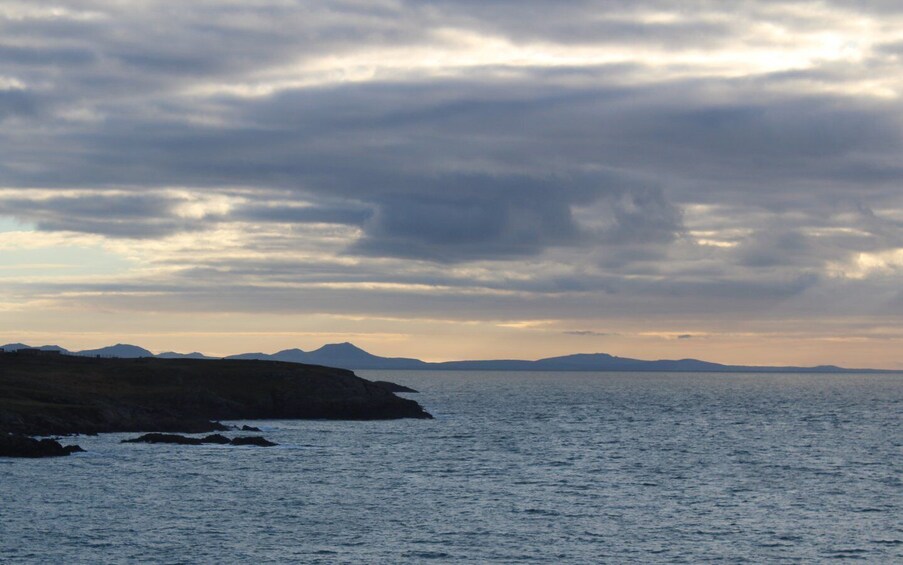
(516, 468)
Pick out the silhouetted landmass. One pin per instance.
(174, 355)
(51, 394)
(120, 350)
(339, 355)
(349, 356)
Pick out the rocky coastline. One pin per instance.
(60, 395)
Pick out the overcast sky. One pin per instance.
(456, 179)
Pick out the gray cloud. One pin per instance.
(16, 102)
(119, 215)
(40, 56)
(578, 179)
(349, 214)
(773, 248)
(471, 217)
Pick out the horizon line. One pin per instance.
(493, 359)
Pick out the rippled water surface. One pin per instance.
(516, 467)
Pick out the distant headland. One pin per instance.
(43, 392)
(349, 356)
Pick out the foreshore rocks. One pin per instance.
(214, 439)
(172, 439)
(14, 445)
(252, 440)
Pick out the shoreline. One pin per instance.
(56, 395)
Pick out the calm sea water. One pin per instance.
(516, 468)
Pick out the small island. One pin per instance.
(50, 394)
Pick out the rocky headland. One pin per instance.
(394, 387)
(45, 394)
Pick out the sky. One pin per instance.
(456, 179)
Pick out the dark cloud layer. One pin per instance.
(120, 215)
(644, 175)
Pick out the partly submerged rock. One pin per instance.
(14, 445)
(253, 440)
(247, 428)
(214, 439)
(165, 438)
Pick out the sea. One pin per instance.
(515, 468)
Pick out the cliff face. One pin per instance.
(44, 395)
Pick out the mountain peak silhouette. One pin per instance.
(345, 349)
(346, 355)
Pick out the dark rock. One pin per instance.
(14, 445)
(165, 438)
(247, 428)
(63, 395)
(393, 387)
(253, 440)
(214, 438)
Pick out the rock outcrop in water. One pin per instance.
(175, 439)
(61, 395)
(252, 440)
(217, 439)
(15, 445)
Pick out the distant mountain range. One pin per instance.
(349, 356)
